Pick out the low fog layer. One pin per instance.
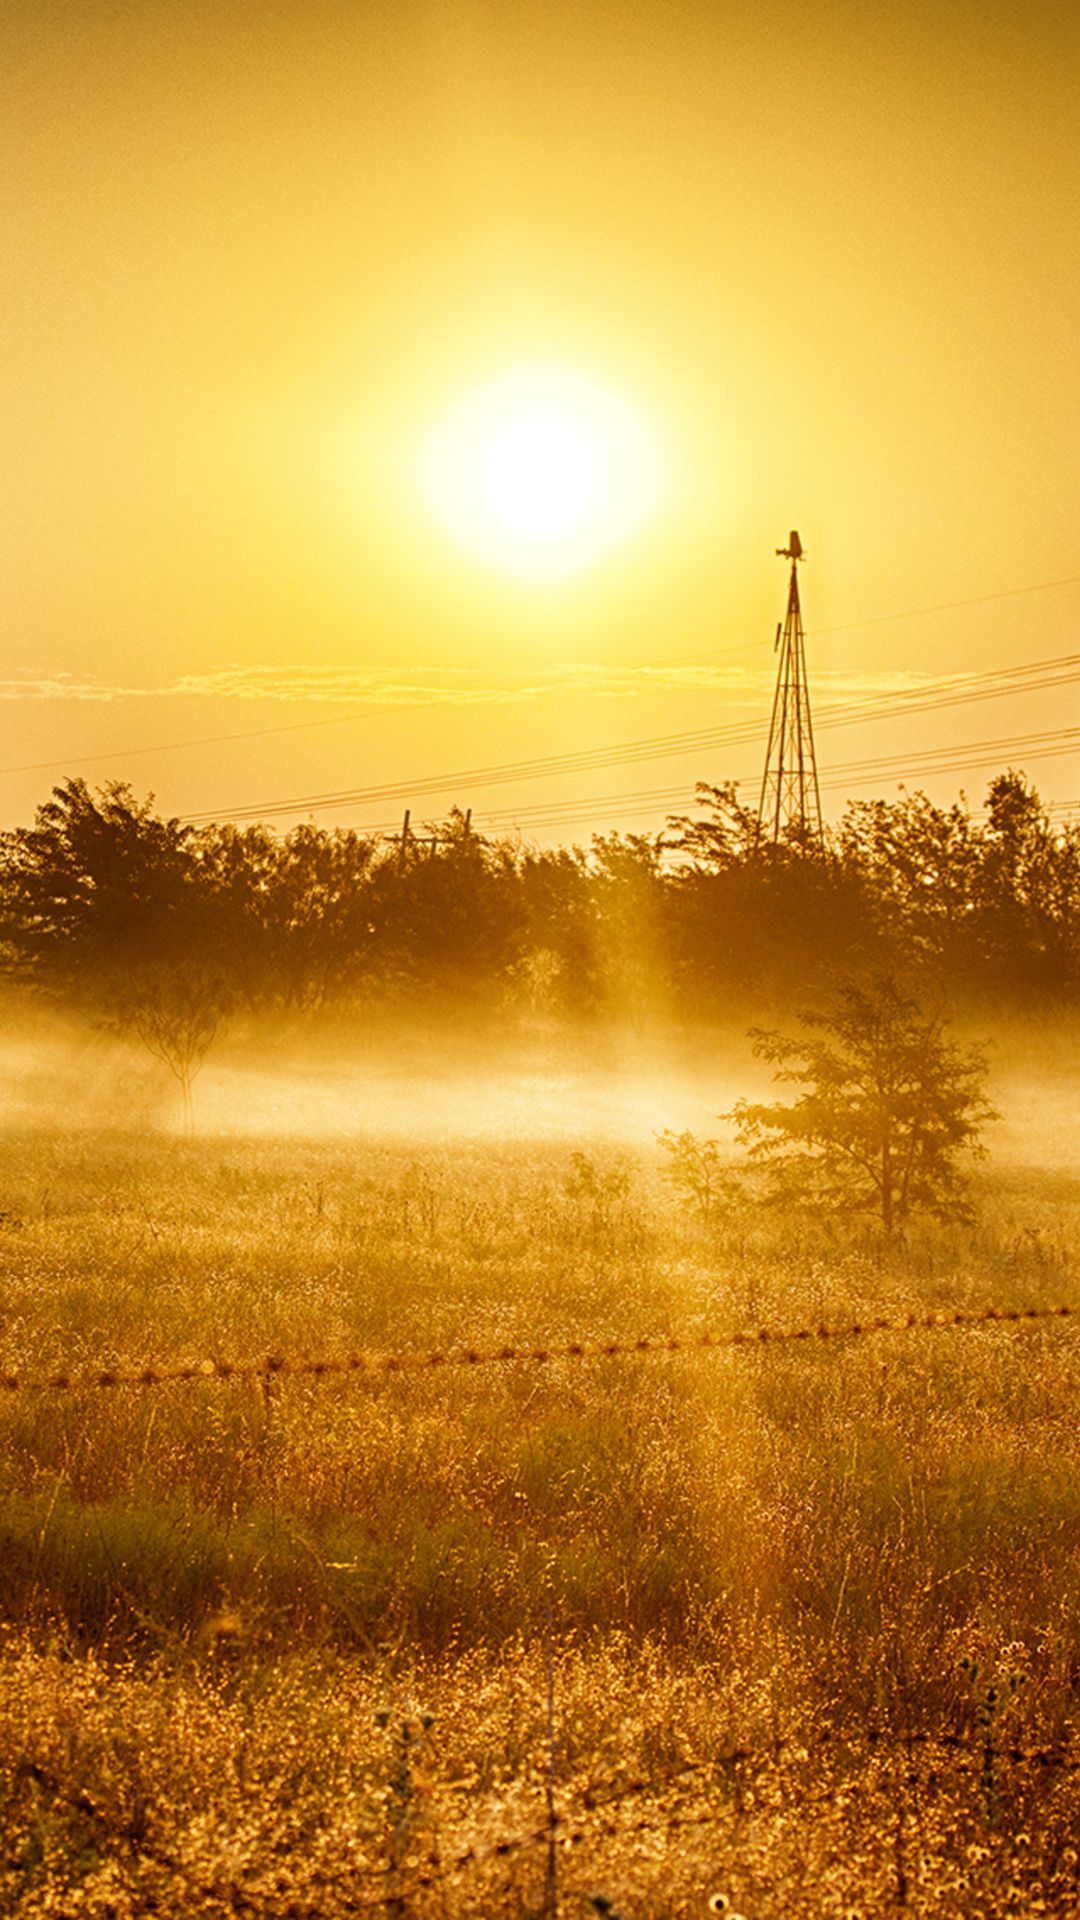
(415, 1084)
(412, 1085)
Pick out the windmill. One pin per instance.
(789, 787)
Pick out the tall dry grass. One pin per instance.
(807, 1610)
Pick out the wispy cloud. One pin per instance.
(451, 686)
(64, 687)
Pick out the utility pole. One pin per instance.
(789, 787)
(403, 844)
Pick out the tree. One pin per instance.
(697, 1172)
(1028, 893)
(176, 1011)
(318, 913)
(888, 1110)
(446, 918)
(748, 917)
(627, 885)
(729, 837)
(98, 885)
(918, 866)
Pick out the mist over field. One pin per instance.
(531, 1379)
(414, 1082)
(428, 1082)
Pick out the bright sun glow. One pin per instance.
(541, 472)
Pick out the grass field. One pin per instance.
(795, 1629)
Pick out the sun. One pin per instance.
(541, 472)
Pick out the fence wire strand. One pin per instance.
(370, 1365)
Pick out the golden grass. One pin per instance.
(813, 1614)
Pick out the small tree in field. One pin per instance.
(176, 1012)
(888, 1109)
(696, 1170)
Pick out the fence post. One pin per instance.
(551, 1875)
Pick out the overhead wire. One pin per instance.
(635, 803)
(950, 606)
(956, 690)
(959, 690)
(909, 613)
(370, 711)
(332, 720)
(954, 758)
(648, 802)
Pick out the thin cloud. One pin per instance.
(334, 686)
(452, 686)
(64, 687)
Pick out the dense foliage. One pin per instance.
(887, 1111)
(101, 895)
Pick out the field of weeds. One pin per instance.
(766, 1629)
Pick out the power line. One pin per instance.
(343, 719)
(959, 690)
(950, 606)
(225, 739)
(640, 802)
(951, 759)
(911, 613)
(664, 745)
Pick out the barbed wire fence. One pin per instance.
(596, 1811)
(371, 1364)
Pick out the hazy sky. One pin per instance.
(826, 254)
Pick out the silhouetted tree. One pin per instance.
(750, 918)
(725, 836)
(559, 917)
(993, 907)
(1027, 894)
(447, 921)
(628, 885)
(917, 865)
(99, 885)
(319, 914)
(238, 870)
(708, 916)
(288, 920)
(888, 1109)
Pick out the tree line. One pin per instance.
(107, 906)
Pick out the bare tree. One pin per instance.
(177, 1012)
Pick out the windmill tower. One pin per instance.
(789, 788)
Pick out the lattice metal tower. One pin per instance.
(789, 788)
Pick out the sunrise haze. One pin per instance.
(268, 536)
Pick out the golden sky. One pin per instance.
(825, 257)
